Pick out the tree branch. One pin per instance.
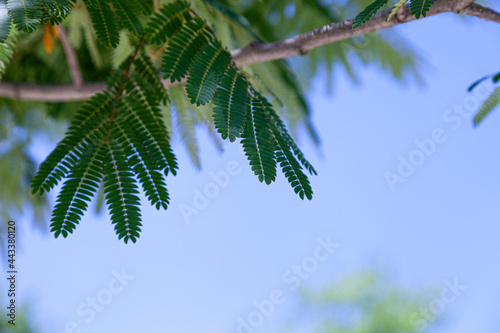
(71, 58)
(482, 12)
(261, 52)
(50, 92)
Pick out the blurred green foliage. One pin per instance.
(363, 302)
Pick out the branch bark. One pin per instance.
(50, 92)
(482, 12)
(261, 52)
(71, 59)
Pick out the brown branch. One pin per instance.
(50, 92)
(71, 58)
(301, 44)
(261, 52)
(482, 12)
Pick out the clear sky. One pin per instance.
(202, 273)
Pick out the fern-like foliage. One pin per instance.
(491, 103)
(205, 74)
(126, 11)
(118, 138)
(167, 21)
(230, 105)
(420, 7)
(7, 51)
(105, 26)
(5, 22)
(193, 52)
(59, 8)
(56, 10)
(258, 141)
(107, 16)
(26, 14)
(365, 15)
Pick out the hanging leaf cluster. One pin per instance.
(119, 139)
(418, 8)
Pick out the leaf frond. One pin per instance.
(258, 142)
(58, 8)
(25, 14)
(7, 51)
(420, 7)
(121, 191)
(87, 128)
(206, 72)
(280, 126)
(230, 104)
(78, 189)
(126, 12)
(182, 49)
(143, 164)
(367, 13)
(104, 22)
(491, 103)
(167, 21)
(5, 23)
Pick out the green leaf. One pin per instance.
(230, 104)
(121, 194)
(7, 51)
(258, 142)
(280, 126)
(25, 14)
(104, 22)
(142, 163)
(148, 72)
(291, 168)
(5, 23)
(420, 7)
(182, 49)
(167, 21)
(126, 11)
(88, 127)
(149, 128)
(491, 103)
(58, 8)
(206, 72)
(146, 6)
(397, 6)
(368, 13)
(77, 191)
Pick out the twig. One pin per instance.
(71, 58)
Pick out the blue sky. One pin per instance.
(203, 273)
